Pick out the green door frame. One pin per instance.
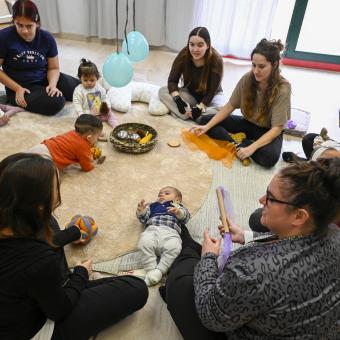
(293, 36)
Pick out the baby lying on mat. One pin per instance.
(162, 220)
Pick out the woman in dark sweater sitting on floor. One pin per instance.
(200, 67)
(39, 297)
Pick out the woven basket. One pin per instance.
(129, 145)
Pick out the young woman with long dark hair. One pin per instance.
(200, 67)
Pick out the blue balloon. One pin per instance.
(117, 70)
(138, 46)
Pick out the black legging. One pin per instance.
(180, 292)
(39, 102)
(103, 303)
(266, 156)
(307, 144)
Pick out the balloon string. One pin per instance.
(126, 23)
(117, 26)
(134, 15)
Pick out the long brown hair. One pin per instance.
(212, 61)
(271, 51)
(26, 195)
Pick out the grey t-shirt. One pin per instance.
(279, 111)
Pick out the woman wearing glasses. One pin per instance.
(30, 66)
(281, 285)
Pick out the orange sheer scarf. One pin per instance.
(218, 150)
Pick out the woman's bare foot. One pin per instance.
(4, 120)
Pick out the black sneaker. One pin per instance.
(291, 157)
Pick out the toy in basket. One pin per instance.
(133, 137)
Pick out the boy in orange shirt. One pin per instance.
(73, 146)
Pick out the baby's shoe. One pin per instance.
(153, 277)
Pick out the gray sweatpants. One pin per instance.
(159, 241)
(216, 104)
(40, 149)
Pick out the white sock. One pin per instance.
(153, 277)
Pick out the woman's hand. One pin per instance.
(53, 91)
(199, 130)
(19, 96)
(189, 114)
(210, 244)
(182, 106)
(87, 265)
(243, 153)
(236, 232)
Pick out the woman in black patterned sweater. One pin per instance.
(283, 285)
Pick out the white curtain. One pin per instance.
(98, 18)
(235, 26)
(178, 22)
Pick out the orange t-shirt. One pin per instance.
(70, 148)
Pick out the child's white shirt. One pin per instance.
(89, 100)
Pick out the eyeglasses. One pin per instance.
(269, 198)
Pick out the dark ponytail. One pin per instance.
(316, 185)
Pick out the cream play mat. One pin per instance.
(110, 192)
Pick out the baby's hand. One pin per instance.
(175, 209)
(141, 205)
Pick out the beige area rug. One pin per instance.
(244, 184)
(110, 192)
(153, 322)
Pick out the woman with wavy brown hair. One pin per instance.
(263, 97)
(200, 68)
